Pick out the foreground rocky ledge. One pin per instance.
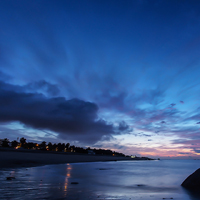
(192, 182)
(13, 159)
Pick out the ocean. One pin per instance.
(121, 180)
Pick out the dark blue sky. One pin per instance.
(114, 74)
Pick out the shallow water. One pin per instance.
(136, 180)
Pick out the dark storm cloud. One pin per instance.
(73, 119)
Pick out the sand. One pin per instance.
(13, 159)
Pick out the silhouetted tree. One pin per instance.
(50, 146)
(5, 142)
(22, 141)
(55, 146)
(80, 150)
(43, 145)
(30, 145)
(72, 148)
(67, 145)
(14, 143)
(61, 147)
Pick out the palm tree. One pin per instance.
(22, 141)
(67, 145)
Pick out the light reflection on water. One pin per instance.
(101, 180)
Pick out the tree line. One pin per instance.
(60, 147)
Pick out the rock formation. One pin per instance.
(192, 182)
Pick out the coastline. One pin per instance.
(99, 180)
(18, 159)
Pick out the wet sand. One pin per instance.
(146, 180)
(13, 159)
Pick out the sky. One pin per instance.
(113, 74)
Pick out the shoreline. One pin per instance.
(19, 159)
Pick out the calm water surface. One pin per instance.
(136, 180)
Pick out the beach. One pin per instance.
(123, 180)
(12, 159)
(57, 175)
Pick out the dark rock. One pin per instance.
(74, 182)
(10, 178)
(192, 182)
(104, 168)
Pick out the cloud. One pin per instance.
(44, 87)
(73, 119)
(196, 150)
(10, 133)
(4, 77)
(141, 134)
(195, 116)
(116, 96)
(124, 127)
(183, 153)
(190, 144)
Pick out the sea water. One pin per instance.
(135, 180)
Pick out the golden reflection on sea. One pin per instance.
(68, 174)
